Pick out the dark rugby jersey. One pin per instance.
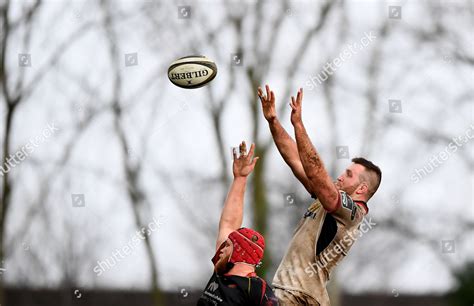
(226, 290)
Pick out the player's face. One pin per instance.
(349, 180)
(224, 256)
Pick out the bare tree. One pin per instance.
(11, 97)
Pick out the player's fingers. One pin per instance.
(268, 90)
(254, 162)
(295, 104)
(252, 149)
(260, 92)
(272, 98)
(234, 153)
(301, 97)
(243, 148)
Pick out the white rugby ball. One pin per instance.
(192, 71)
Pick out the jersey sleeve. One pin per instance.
(269, 298)
(262, 294)
(346, 209)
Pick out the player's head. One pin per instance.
(242, 246)
(362, 179)
(221, 262)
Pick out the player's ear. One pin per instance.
(363, 188)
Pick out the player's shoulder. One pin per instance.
(346, 200)
(349, 203)
(348, 209)
(265, 294)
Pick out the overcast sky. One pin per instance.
(425, 77)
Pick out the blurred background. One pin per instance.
(113, 179)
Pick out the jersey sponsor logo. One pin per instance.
(309, 214)
(213, 296)
(312, 210)
(213, 286)
(348, 203)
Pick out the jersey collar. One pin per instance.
(363, 203)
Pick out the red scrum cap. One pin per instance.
(248, 247)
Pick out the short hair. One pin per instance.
(375, 174)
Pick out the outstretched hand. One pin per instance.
(268, 103)
(296, 107)
(244, 164)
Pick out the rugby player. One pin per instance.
(330, 225)
(238, 250)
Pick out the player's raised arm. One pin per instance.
(319, 180)
(284, 143)
(232, 213)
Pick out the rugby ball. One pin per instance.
(192, 71)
